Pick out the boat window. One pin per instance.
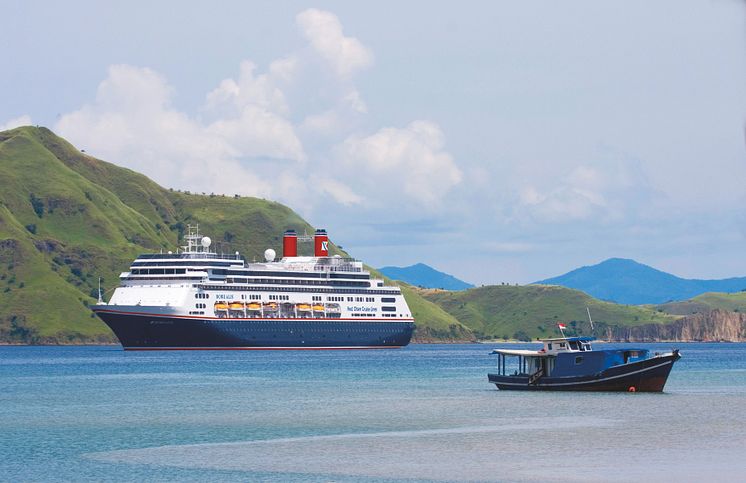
(579, 360)
(549, 346)
(573, 345)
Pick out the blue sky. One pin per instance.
(496, 141)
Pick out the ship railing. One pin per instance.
(333, 260)
(338, 268)
(189, 255)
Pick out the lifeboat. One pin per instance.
(221, 306)
(270, 306)
(318, 308)
(254, 306)
(303, 307)
(333, 308)
(236, 305)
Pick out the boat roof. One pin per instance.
(570, 339)
(520, 352)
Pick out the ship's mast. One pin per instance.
(192, 238)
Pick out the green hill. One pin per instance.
(441, 326)
(732, 302)
(67, 218)
(531, 311)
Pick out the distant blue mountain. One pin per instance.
(425, 276)
(629, 282)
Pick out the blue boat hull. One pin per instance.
(649, 375)
(151, 332)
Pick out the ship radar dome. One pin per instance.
(206, 241)
(269, 254)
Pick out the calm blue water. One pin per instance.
(422, 413)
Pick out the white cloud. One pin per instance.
(411, 160)
(346, 55)
(133, 124)
(24, 120)
(259, 133)
(284, 69)
(231, 97)
(608, 191)
(340, 192)
(355, 102)
(270, 133)
(325, 123)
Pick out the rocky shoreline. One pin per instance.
(713, 326)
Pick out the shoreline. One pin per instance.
(433, 342)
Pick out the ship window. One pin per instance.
(388, 300)
(549, 346)
(388, 309)
(578, 360)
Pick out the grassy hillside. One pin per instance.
(58, 231)
(523, 312)
(67, 218)
(732, 302)
(433, 323)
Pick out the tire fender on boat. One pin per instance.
(632, 389)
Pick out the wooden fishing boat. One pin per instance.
(571, 364)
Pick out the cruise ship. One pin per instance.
(198, 299)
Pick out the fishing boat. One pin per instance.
(571, 364)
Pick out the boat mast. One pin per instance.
(589, 318)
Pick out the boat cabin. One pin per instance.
(567, 344)
(567, 356)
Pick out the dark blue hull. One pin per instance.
(151, 332)
(649, 375)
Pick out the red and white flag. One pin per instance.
(561, 326)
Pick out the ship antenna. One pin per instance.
(100, 298)
(589, 318)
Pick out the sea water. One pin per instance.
(423, 413)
